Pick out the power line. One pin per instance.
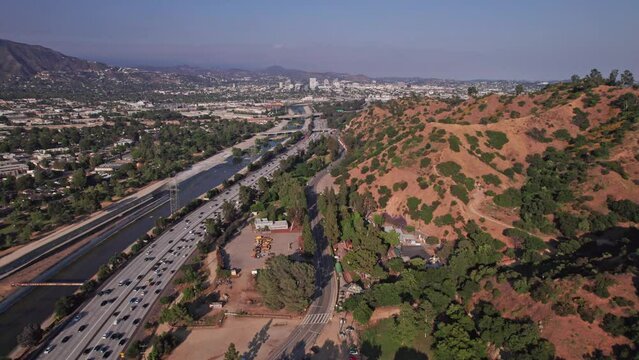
(173, 195)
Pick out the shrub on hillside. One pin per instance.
(627, 209)
(509, 198)
(448, 168)
(580, 119)
(460, 192)
(491, 179)
(496, 139)
(454, 143)
(444, 220)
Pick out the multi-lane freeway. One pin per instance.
(104, 324)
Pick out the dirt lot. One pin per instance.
(239, 255)
(254, 338)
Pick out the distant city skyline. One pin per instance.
(521, 40)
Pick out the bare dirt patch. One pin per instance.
(254, 338)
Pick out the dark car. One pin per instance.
(126, 317)
(135, 322)
(66, 338)
(157, 291)
(122, 342)
(106, 354)
(86, 351)
(81, 328)
(104, 303)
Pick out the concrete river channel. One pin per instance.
(38, 304)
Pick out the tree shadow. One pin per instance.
(371, 351)
(225, 258)
(298, 352)
(329, 351)
(407, 353)
(256, 343)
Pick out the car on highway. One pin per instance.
(49, 349)
(82, 327)
(65, 339)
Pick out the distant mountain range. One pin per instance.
(24, 60)
(18, 60)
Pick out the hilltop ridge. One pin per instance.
(24, 60)
(423, 158)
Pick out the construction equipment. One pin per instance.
(262, 246)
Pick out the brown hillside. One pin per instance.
(408, 140)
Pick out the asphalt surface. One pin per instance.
(133, 290)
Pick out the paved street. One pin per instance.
(321, 310)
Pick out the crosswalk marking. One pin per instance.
(316, 319)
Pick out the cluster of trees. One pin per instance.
(427, 294)
(285, 283)
(595, 78)
(339, 114)
(91, 138)
(163, 154)
(163, 345)
(459, 336)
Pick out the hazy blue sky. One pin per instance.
(514, 39)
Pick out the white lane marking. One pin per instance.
(321, 318)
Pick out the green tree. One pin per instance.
(247, 196)
(456, 338)
(229, 211)
(519, 88)
(286, 284)
(612, 78)
(472, 91)
(231, 353)
(31, 334)
(307, 235)
(627, 79)
(78, 180)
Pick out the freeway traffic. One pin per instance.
(105, 323)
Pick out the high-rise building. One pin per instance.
(312, 83)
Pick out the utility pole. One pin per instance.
(173, 195)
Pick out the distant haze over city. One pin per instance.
(541, 40)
